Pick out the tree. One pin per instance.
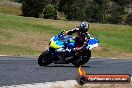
(73, 9)
(101, 11)
(50, 12)
(122, 2)
(19, 1)
(116, 14)
(80, 6)
(97, 10)
(92, 11)
(103, 6)
(67, 7)
(33, 8)
(129, 19)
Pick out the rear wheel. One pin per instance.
(45, 58)
(82, 59)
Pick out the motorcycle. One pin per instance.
(61, 51)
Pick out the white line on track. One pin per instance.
(2, 55)
(56, 84)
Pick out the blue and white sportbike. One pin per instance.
(61, 51)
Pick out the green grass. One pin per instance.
(116, 40)
(29, 36)
(118, 37)
(23, 24)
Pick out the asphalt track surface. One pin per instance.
(25, 70)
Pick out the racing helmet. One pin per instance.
(84, 26)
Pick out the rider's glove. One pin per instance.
(76, 49)
(66, 32)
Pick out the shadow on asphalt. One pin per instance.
(65, 66)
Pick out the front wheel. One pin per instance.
(45, 58)
(82, 59)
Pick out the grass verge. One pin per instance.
(31, 35)
(10, 7)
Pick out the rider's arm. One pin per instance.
(85, 43)
(70, 32)
(83, 47)
(87, 36)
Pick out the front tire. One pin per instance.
(45, 58)
(82, 59)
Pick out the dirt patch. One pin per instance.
(127, 55)
(101, 48)
(35, 41)
(101, 51)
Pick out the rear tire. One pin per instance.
(84, 58)
(45, 58)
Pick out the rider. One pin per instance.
(82, 35)
(80, 40)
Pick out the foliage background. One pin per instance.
(99, 11)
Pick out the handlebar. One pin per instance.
(62, 32)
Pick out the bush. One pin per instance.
(92, 12)
(33, 8)
(116, 14)
(19, 1)
(50, 12)
(80, 14)
(129, 19)
(114, 20)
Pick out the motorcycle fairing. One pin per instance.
(59, 42)
(55, 44)
(92, 43)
